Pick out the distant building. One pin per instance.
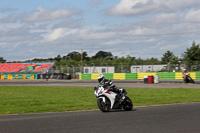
(99, 69)
(147, 68)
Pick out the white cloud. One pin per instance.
(96, 2)
(83, 34)
(43, 14)
(193, 16)
(4, 10)
(136, 7)
(172, 26)
(54, 35)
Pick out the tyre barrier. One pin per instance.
(150, 79)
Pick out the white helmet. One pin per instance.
(101, 79)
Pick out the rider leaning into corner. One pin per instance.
(108, 84)
(184, 71)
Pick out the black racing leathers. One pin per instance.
(108, 84)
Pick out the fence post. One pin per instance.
(73, 70)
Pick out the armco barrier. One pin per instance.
(24, 76)
(198, 75)
(108, 75)
(141, 75)
(131, 75)
(19, 76)
(95, 76)
(10, 76)
(35, 76)
(166, 75)
(28, 76)
(180, 76)
(119, 76)
(193, 75)
(85, 76)
(5, 76)
(122, 76)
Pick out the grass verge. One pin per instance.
(33, 99)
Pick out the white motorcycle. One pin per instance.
(107, 100)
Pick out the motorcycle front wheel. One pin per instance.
(127, 104)
(104, 106)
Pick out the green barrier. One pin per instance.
(86, 76)
(166, 75)
(5, 76)
(28, 76)
(198, 75)
(108, 75)
(14, 76)
(131, 75)
(134, 76)
(19, 76)
(35, 76)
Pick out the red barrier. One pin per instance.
(150, 79)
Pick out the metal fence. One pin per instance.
(74, 71)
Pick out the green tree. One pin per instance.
(152, 61)
(74, 56)
(103, 55)
(175, 60)
(2, 60)
(167, 57)
(192, 54)
(58, 58)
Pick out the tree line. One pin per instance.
(102, 58)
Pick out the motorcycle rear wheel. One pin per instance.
(128, 104)
(191, 80)
(104, 106)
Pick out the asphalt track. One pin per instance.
(179, 118)
(92, 83)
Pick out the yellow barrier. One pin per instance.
(2, 76)
(180, 75)
(10, 76)
(24, 76)
(119, 76)
(32, 76)
(193, 75)
(95, 76)
(141, 75)
(80, 76)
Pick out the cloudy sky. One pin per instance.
(140, 28)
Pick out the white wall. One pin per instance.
(99, 69)
(147, 68)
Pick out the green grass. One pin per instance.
(32, 99)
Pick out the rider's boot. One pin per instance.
(119, 94)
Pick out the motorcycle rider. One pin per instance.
(184, 71)
(108, 84)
